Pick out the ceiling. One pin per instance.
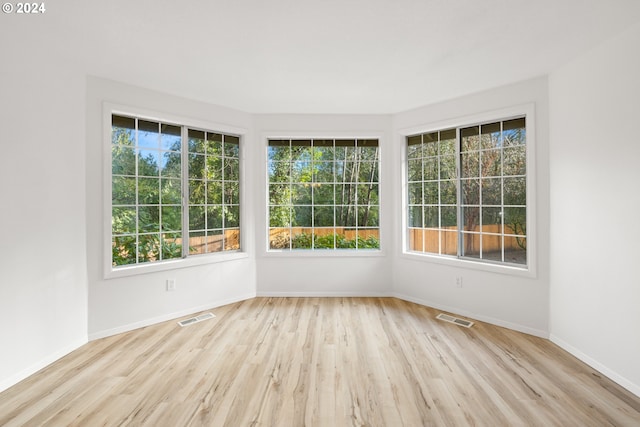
(317, 56)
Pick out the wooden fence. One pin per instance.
(427, 240)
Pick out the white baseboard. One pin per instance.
(612, 375)
(147, 322)
(455, 310)
(323, 294)
(16, 378)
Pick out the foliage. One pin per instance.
(308, 241)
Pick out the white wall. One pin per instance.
(43, 291)
(509, 300)
(318, 274)
(595, 202)
(121, 304)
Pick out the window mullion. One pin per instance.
(459, 198)
(184, 185)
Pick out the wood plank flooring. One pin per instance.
(319, 362)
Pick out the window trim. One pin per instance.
(109, 109)
(330, 253)
(526, 110)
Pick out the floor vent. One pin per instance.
(451, 319)
(192, 320)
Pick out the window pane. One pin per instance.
(149, 219)
(278, 150)
(415, 170)
(123, 130)
(323, 172)
(214, 217)
(471, 218)
(368, 216)
(123, 220)
(214, 193)
(148, 248)
(448, 216)
(196, 218)
(197, 191)
(231, 193)
(171, 137)
(515, 160)
(490, 136)
(492, 220)
(232, 216)
(279, 194)
(148, 162)
(324, 238)
(231, 146)
(515, 221)
(415, 216)
(431, 217)
(302, 239)
(123, 190)
(491, 162)
(323, 194)
(171, 164)
(368, 194)
(148, 191)
(148, 134)
(448, 193)
(231, 169)
(279, 238)
(172, 218)
(431, 193)
(515, 191)
(214, 167)
(279, 216)
(430, 169)
(470, 139)
(470, 192)
(471, 245)
(303, 216)
(171, 191)
(232, 240)
(123, 250)
(470, 164)
(323, 216)
(447, 167)
(123, 160)
(415, 193)
(414, 147)
(323, 150)
(196, 141)
(492, 191)
(171, 245)
(196, 166)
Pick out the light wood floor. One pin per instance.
(319, 362)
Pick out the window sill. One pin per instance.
(452, 261)
(111, 273)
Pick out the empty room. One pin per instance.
(319, 213)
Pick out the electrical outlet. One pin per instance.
(458, 281)
(171, 284)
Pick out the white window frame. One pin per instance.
(324, 253)
(109, 272)
(527, 111)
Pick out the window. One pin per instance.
(323, 194)
(467, 192)
(152, 171)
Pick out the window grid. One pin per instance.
(150, 171)
(491, 192)
(319, 198)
